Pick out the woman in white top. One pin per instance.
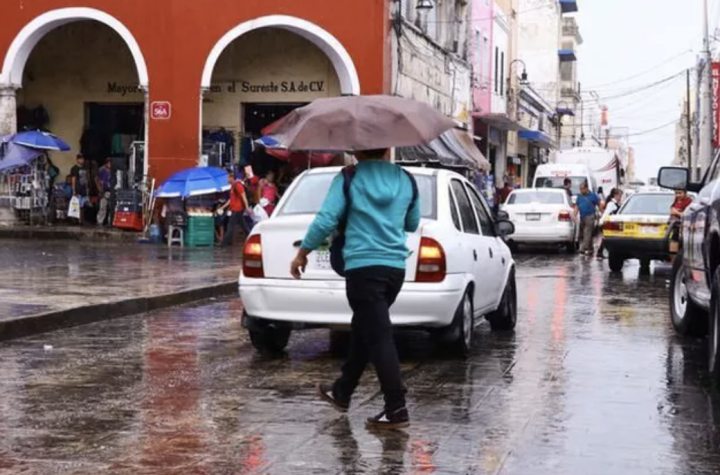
(612, 206)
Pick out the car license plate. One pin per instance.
(648, 230)
(322, 260)
(532, 217)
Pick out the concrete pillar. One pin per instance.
(8, 110)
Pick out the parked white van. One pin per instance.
(554, 175)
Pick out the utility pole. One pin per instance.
(689, 129)
(706, 124)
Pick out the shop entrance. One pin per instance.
(110, 131)
(257, 116)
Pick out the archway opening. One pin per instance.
(80, 81)
(260, 77)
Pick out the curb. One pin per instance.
(46, 322)
(79, 234)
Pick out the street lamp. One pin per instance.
(424, 5)
(524, 75)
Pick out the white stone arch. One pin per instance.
(333, 49)
(24, 43)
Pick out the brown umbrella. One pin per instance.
(360, 123)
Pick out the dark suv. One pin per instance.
(695, 284)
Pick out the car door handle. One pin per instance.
(475, 254)
(490, 252)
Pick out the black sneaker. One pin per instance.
(325, 391)
(397, 419)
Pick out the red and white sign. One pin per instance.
(716, 103)
(160, 110)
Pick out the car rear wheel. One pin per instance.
(687, 318)
(458, 338)
(645, 266)
(572, 247)
(270, 339)
(714, 330)
(616, 262)
(505, 317)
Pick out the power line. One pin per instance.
(642, 73)
(648, 131)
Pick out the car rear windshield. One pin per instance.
(539, 197)
(558, 181)
(308, 195)
(649, 204)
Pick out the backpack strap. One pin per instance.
(348, 174)
(415, 193)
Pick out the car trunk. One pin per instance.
(534, 213)
(281, 238)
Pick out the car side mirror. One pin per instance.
(674, 178)
(505, 228)
(502, 216)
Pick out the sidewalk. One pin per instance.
(75, 233)
(46, 285)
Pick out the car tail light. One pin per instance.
(564, 216)
(252, 257)
(612, 226)
(431, 266)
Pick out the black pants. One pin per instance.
(371, 291)
(235, 221)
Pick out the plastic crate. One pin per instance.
(131, 221)
(195, 238)
(200, 223)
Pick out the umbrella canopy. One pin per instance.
(40, 140)
(14, 155)
(194, 182)
(359, 123)
(302, 159)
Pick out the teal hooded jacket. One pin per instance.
(378, 218)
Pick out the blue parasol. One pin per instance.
(40, 140)
(270, 143)
(194, 182)
(13, 155)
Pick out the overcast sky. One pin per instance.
(623, 38)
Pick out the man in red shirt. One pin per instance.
(682, 201)
(237, 205)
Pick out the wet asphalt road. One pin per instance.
(592, 382)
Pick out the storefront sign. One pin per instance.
(271, 87)
(123, 89)
(160, 110)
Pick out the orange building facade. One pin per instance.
(186, 64)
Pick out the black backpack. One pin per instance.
(337, 259)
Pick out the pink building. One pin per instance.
(482, 47)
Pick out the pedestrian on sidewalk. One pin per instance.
(587, 206)
(382, 208)
(238, 206)
(611, 208)
(103, 181)
(79, 179)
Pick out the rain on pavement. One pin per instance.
(593, 381)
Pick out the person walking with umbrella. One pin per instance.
(374, 204)
(381, 194)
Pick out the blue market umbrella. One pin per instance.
(40, 140)
(194, 182)
(270, 143)
(13, 155)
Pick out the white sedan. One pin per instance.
(459, 269)
(542, 216)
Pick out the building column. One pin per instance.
(8, 110)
